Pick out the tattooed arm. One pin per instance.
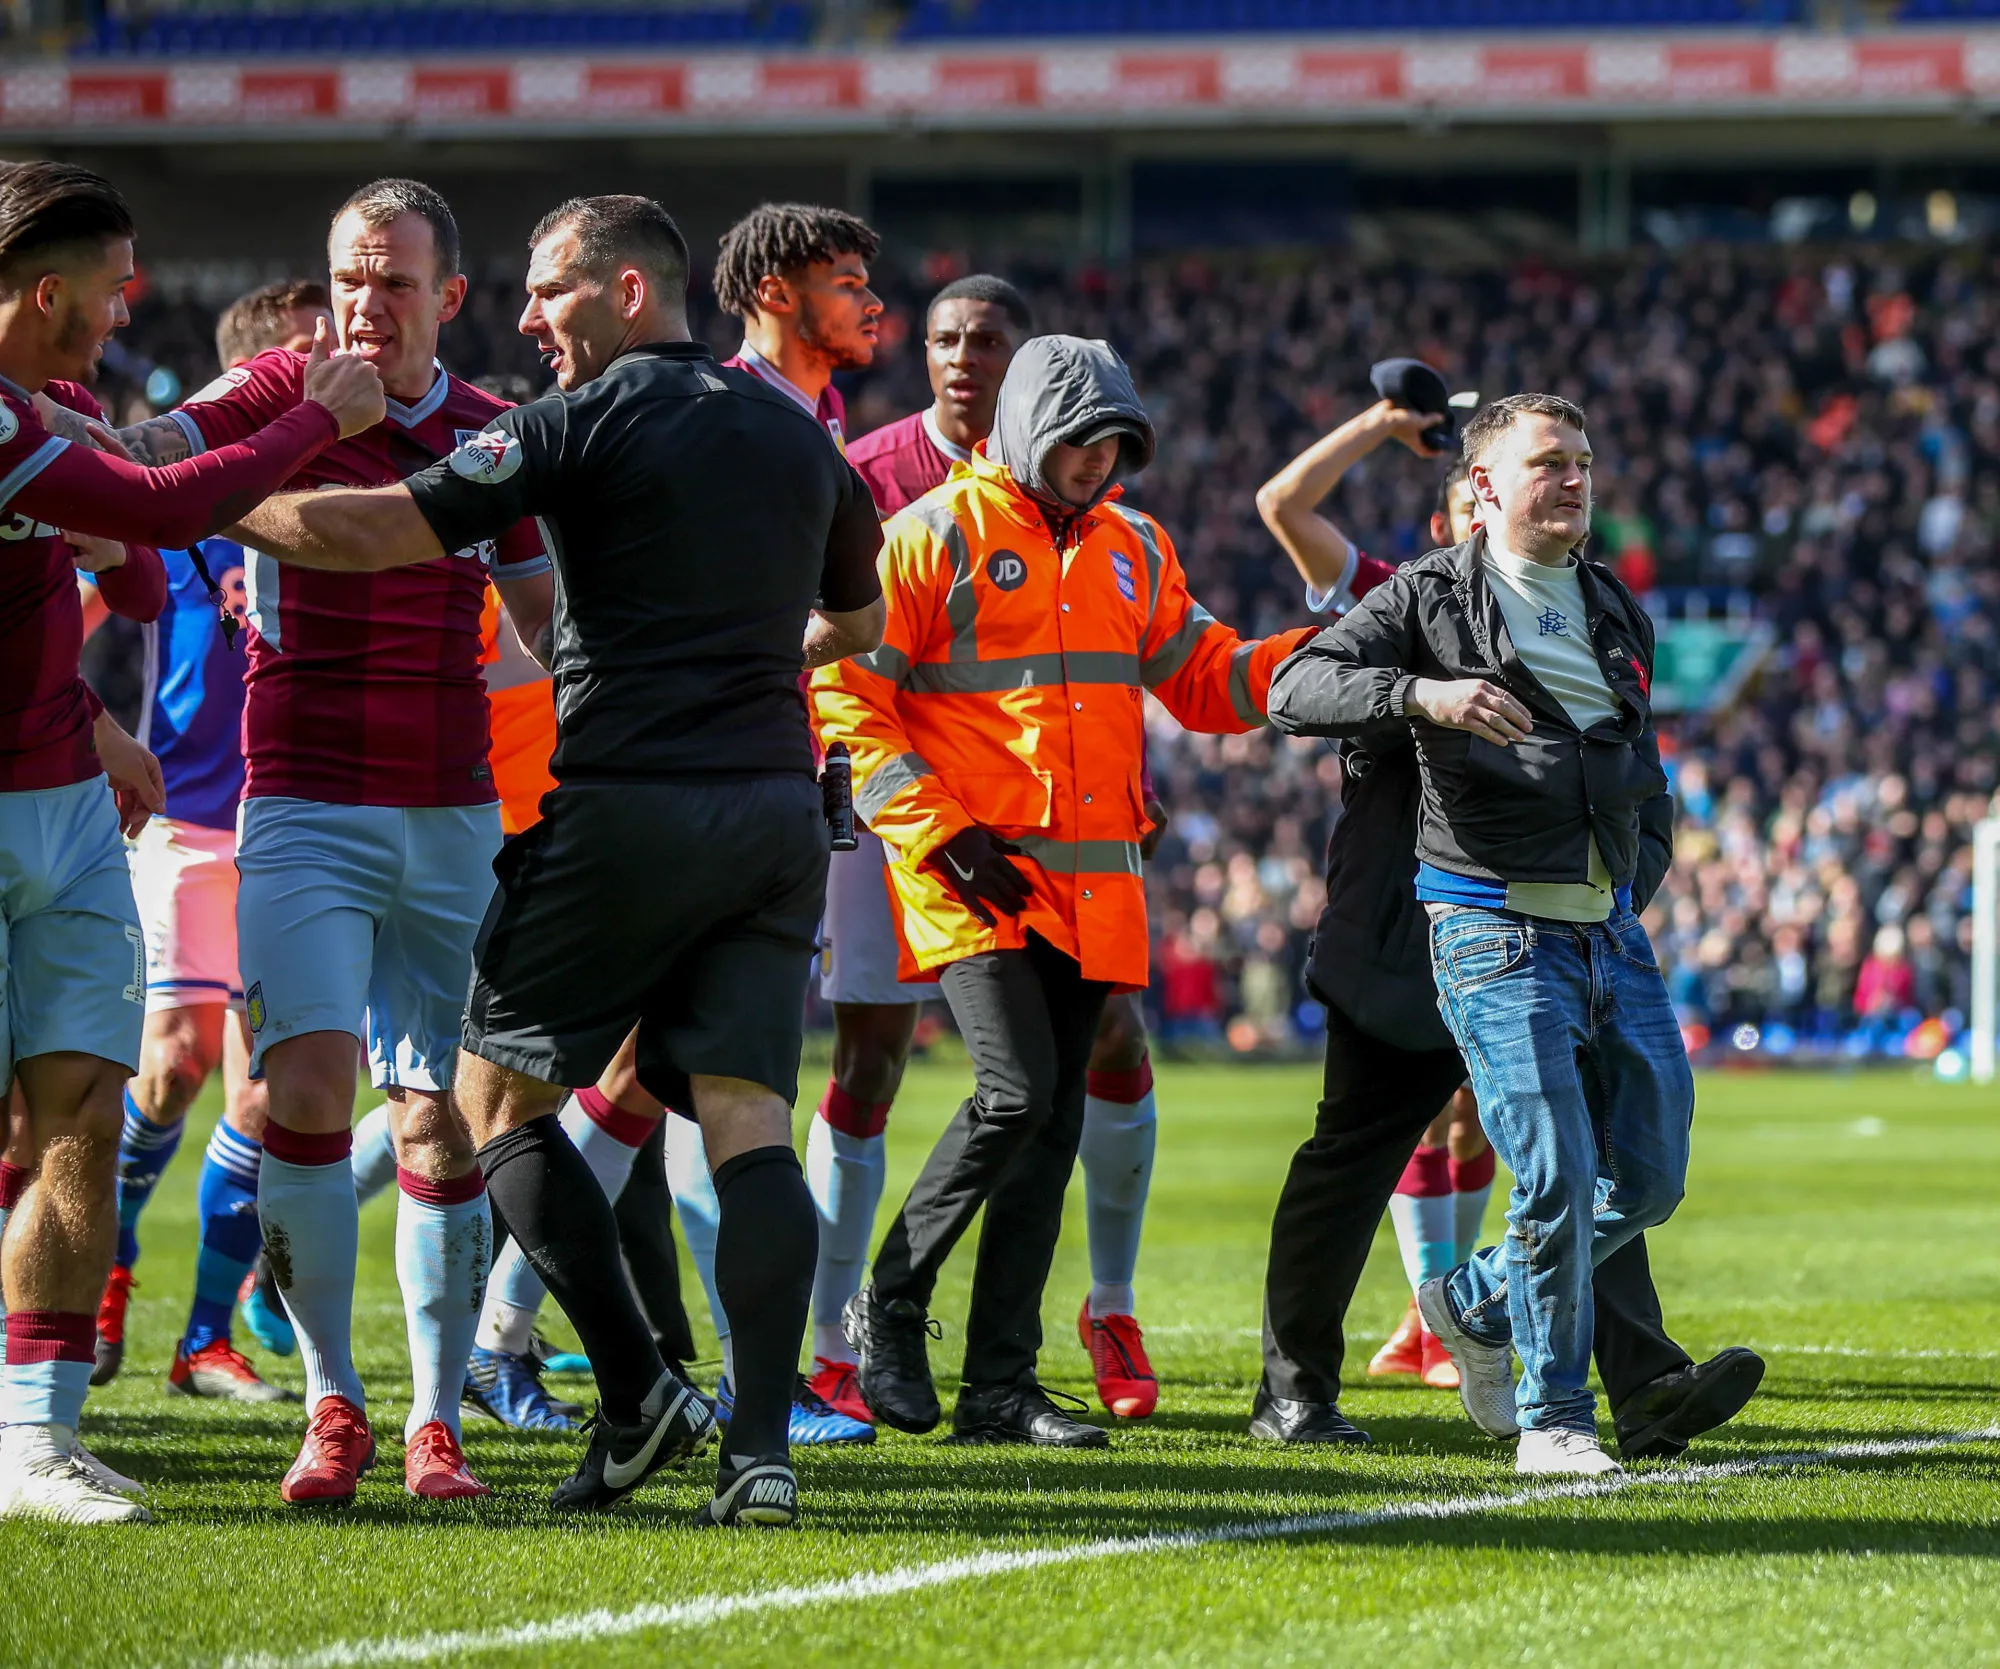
(156, 441)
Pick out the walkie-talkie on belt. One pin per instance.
(836, 786)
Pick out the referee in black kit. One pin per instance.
(701, 530)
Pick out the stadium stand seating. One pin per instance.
(1813, 438)
(406, 28)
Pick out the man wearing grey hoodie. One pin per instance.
(998, 738)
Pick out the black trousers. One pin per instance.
(1029, 1018)
(1377, 1101)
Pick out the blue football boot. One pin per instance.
(814, 1420)
(509, 1388)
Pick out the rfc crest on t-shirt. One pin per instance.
(485, 456)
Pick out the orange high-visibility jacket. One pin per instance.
(1008, 694)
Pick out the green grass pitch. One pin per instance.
(1848, 1227)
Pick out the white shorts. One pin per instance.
(184, 880)
(361, 919)
(858, 946)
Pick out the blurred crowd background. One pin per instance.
(1798, 466)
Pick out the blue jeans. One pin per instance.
(1584, 1088)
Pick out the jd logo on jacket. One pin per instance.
(1006, 570)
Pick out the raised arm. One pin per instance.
(1289, 502)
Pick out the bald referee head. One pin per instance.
(606, 274)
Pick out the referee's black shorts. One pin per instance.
(688, 909)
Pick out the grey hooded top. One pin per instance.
(1066, 389)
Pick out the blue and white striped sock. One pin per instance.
(230, 1235)
(144, 1148)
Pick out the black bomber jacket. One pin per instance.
(1490, 813)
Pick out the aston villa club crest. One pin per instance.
(253, 1006)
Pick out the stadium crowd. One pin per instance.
(1815, 436)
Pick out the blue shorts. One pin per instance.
(361, 919)
(72, 961)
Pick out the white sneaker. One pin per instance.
(1562, 1453)
(39, 1479)
(105, 1477)
(1485, 1371)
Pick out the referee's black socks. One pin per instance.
(553, 1206)
(765, 1248)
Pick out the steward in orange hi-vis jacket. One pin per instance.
(1008, 696)
(998, 738)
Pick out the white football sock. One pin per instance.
(701, 1212)
(441, 1251)
(1117, 1156)
(374, 1158)
(846, 1174)
(311, 1230)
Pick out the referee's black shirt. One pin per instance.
(695, 517)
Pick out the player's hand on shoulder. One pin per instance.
(1471, 704)
(93, 555)
(136, 783)
(344, 383)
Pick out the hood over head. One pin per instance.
(1066, 390)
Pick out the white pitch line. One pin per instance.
(1886, 1355)
(716, 1608)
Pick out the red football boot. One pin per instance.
(1125, 1381)
(111, 1325)
(1402, 1356)
(338, 1448)
(835, 1384)
(1440, 1371)
(434, 1466)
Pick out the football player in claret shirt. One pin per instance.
(69, 933)
(184, 878)
(368, 829)
(796, 274)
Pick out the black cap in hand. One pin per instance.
(1415, 386)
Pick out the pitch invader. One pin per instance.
(71, 947)
(368, 826)
(184, 879)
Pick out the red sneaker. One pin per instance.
(338, 1448)
(219, 1369)
(111, 1325)
(835, 1384)
(1402, 1356)
(1440, 1371)
(1125, 1381)
(434, 1466)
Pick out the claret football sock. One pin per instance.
(444, 1235)
(1471, 1188)
(846, 1166)
(307, 1207)
(1422, 1211)
(764, 1265)
(1120, 1125)
(554, 1209)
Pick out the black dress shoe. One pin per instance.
(1665, 1415)
(1022, 1413)
(1287, 1420)
(893, 1372)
